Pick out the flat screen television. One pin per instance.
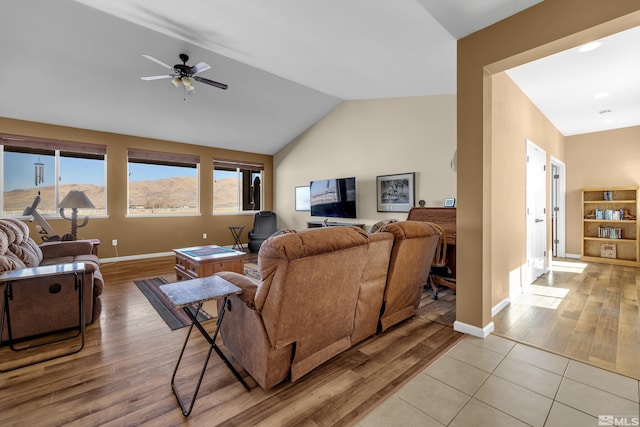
(334, 198)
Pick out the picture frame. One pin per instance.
(395, 193)
(450, 202)
(303, 198)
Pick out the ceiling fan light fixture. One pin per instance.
(182, 73)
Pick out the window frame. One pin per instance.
(142, 156)
(58, 148)
(242, 169)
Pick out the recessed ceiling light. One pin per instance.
(601, 95)
(589, 46)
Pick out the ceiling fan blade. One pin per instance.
(199, 67)
(157, 61)
(166, 76)
(210, 82)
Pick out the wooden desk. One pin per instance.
(445, 218)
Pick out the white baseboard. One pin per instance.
(145, 256)
(473, 330)
(499, 306)
(575, 256)
(135, 257)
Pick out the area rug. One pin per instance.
(175, 318)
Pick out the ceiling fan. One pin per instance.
(184, 74)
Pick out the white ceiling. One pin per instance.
(583, 92)
(287, 63)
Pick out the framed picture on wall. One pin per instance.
(395, 193)
(303, 198)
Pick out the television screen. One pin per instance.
(335, 198)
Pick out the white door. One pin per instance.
(536, 212)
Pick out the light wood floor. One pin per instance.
(587, 312)
(122, 376)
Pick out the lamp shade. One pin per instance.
(76, 199)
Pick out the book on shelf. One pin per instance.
(610, 232)
(608, 250)
(609, 214)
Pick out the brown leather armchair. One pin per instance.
(413, 249)
(46, 304)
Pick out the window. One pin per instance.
(50, 168)
(163, 183)
(237, 186)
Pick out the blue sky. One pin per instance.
(144, 172)
(19, 171)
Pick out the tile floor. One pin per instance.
(497, 382)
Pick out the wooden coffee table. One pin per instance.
(203, 261)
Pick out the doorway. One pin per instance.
(536, 212)
(558, 212)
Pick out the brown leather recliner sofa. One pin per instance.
(322, 291)
(408, 269)
(38, 305)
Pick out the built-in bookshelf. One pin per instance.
(610, 225)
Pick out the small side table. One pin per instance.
(194, 293)
(236, 232)
(13, 278)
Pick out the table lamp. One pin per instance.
(75, 200)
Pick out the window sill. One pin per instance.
(235, 213)
(161, 215)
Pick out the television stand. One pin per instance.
(317, 224)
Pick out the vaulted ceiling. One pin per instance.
(287, 63)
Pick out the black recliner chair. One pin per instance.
(265, 223)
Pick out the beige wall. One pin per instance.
(509, 43)
(369, 138)
(514, 119)
(599, 159)
(148, 235)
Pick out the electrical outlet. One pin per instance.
(204, 235)
(114, 242)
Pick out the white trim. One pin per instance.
(562, 202)
(135, 257)
(146, 256)
(499, 306)
(473, 330)
(148, 215)
(235, 213)
(575, 256)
